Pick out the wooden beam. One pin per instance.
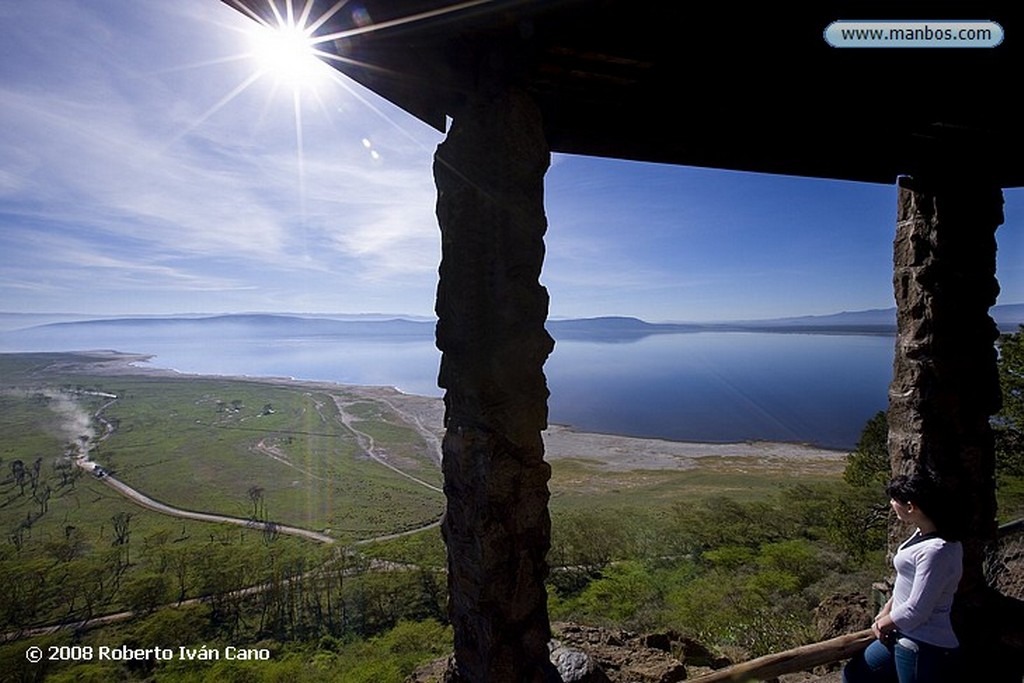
(798, 659)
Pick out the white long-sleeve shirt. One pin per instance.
(928, 570)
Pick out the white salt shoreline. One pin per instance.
(618, 453)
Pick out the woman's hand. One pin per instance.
(882, 623)
(876, 630)
(883, 626)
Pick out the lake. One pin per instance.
(725, 386)
(700, 386)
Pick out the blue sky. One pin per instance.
(138, 175)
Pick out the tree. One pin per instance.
(68, 548)
(122, 522)
(258, 506)
(869, 465)
(172, 625)
(146, 592)
(34, 474)
(18, 472)
(63, 467)
(122, 527)
(42, 497)
(584, 543)
(181, 560)
(1008, 423)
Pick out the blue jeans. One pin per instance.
(906, 661)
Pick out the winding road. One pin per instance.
(147, 502)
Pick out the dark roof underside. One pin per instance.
(723, 85)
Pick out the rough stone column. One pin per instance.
(945, 385)
(491, 311)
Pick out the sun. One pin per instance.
(287, 53)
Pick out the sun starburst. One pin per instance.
(287, 52)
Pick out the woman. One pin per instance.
(916, 643)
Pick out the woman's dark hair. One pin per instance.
(924, 492)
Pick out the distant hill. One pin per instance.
(885, 317)
(251, 325)
(613, 329)
(877, 320)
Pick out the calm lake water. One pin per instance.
(729, 386)
(706, 386)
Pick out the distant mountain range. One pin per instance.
(20, 327)
(255, 325)
(881, 320)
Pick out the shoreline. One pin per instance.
(614, 452)
(610, 452)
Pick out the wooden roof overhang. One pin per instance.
(740, 86)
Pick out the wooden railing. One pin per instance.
(791, 661)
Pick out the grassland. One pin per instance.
(231, 447)
(579, 484)
(204, 445)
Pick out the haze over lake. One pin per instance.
(621, 376)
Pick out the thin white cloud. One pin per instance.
(71, 264)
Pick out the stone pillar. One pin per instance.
(945, 385)
(491, 311)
